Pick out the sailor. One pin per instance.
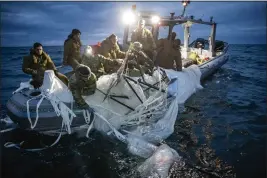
(169, 55)
(177, 44)
(139, 62)
(72, 47)
(110, 49)
(200, 45)
(37, 63)
(145, 37)
(82, 83)
(99, 64)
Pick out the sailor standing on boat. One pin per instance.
(72, 49)
(98, 63)
(82, 83)
(37, 63)
(169, 52)
(145, 37)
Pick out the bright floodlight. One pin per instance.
(155, 19)
(128, 18)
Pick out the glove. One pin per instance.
(34, 72)
(36, 84)
(41, 71)
(40, 74)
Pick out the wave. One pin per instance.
(12, 74)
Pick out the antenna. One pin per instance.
(185, 3)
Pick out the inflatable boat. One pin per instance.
(48, 120)
(24, 106)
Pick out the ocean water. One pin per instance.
(224, 126)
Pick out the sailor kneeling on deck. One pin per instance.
(37, 63)
(82, 83)
(98, 63)
(138, 62)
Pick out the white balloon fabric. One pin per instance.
(56, 87)
(158, 165)
(147, 116)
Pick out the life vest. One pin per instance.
(193, 56)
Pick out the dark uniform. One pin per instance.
(72, 50)
(36, 65)
(111, 50)
(82, 83)
(169, 52)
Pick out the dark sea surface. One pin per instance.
(228, 116)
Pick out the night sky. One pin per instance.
(23, 23)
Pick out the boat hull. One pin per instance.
(47, 120)
(211, 66)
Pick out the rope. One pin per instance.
(8, 130)
(90, 128)
(86, 116)
(28, 111)
(59, 107)
(18, 146)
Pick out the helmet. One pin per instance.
(82, 72)
(88, 51)
(137, 46)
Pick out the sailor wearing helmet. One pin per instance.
(82, 83)
(138, 61)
